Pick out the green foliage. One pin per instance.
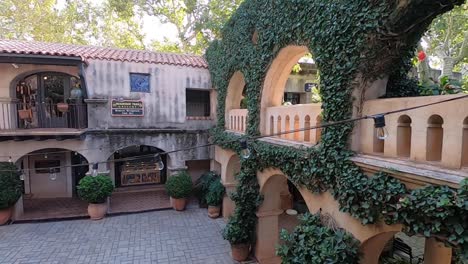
(444, 86)
(10, 185)
(215, 194)
(313, 243)
(353, 44)
(202, 185)
(95, 189)
(179, 186)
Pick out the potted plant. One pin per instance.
(202, 186)
(95, 190)
(10, 190)
(179, 187)
(214, 198)
(239, 237)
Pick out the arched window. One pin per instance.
(272, 125)
(379, 144)
(297, 135)
(307, 125)
(404, 136)
(318, 131)
(435, 136)
(465, 143)
(278, 126)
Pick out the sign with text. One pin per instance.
(309, 86)
(130, 108)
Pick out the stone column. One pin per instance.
(228, 204)
(267, 237)
(436, 253)
(18, 209)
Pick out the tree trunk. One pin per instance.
(448, 63)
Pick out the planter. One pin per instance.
(5, 215)
(213, 211)
(97, 211)
(179, 204)
(62, 107)
(240, 252)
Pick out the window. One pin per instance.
(139, 83)
(293, 98)
(198, 103)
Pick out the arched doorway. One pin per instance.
(137, 166)
(235, 106)
(50, 100)
(50, 177)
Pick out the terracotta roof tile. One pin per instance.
(100, 53)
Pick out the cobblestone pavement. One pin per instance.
(155, 237)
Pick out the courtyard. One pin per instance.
(152, 237)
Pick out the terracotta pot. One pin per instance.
(5, 215)
(97, 211)
(179, 204)
(213, 211)
(240, 252)
(62, 107)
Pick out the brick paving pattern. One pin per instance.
(139, 201)
(154, 237)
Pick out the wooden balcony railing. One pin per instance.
(19, 116)
(436, 134)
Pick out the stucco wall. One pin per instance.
(165, 105)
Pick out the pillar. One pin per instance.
(436, 253)
(267, 237)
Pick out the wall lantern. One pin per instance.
(379, 124)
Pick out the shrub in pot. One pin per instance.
(312, 242)
(95, 190)
(240, 238)
(179, 188)
(10, 190)
(202, 186)
(214, 198)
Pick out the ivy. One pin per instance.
(353, 42)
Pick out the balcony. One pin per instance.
(40, 120)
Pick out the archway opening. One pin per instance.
(404, 136)
(281, 208)
(49, 100)
(290, 89)
(435, 138)
(134, 166)
(464, 162)
(235, 106)
(50, 180)
(379, 144)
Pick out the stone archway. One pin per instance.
(230, 166)
(276, 78)
(234, 94)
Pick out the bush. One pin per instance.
(215, 194)
(235, 231)
(95, 189)
(10, 185)
(179, 186)
(313, 243)
(202, 186)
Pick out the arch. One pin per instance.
(434, 138)
(276, 78)
(318, 131)
(378, 144)
(307, 131)
(234, 93)
(372, 248)
(278, 126)
(464, 162)
(272, 124)
(287, 127)
(297, 126)
(232, 169)
(404, 136)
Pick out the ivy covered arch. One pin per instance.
(355, 43)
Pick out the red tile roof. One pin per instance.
(100, 53)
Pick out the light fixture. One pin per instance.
(45, 156)
(245, 151)
(379, 124)
(21, 175)
(52, 175)
(16, 66)
(95, 170)
(9, 159)
(159, 162)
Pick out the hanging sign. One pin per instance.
(308, 87)
(130, 108)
